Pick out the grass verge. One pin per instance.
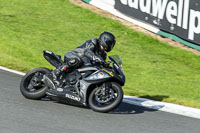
(153, 69)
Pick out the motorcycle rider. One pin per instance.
(91, 50)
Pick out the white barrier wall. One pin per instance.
(170, 18)
(109, 6)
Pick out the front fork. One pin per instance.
(106, 88)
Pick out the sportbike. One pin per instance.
(97, 85)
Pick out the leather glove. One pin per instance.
(97, 59)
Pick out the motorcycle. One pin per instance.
(98, 86)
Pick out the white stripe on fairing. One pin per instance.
(110, 8)
(162, 106)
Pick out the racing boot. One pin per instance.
(58, 70)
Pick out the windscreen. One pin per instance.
(116, 59)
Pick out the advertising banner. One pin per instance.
(179, 17)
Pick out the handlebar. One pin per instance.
(104, 63)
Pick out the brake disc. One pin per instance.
(104, 98)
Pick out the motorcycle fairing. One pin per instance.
(96, 77)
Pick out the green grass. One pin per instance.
(153, 69)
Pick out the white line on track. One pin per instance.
(12, 71)
(162, 106)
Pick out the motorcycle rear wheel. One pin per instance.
(108, 105)
(30, 90)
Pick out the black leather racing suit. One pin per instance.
(83, 54)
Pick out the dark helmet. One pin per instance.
(107, 40)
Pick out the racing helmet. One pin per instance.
(107, 40)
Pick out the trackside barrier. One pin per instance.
(175, 19)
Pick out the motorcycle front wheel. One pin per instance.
(106, 103)
(32, 86)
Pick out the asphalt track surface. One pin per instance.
(20, 115)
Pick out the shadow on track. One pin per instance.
(126, 108)
(123, 108)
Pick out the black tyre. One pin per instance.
(31, 85)
(104, 105)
